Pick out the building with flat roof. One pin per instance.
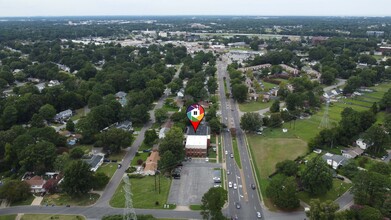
(196, 146)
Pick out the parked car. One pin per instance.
(217, 185)
(259, 215)
(252, 186)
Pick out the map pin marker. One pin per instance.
(195, 113)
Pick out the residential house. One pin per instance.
(61, 116)
(352, 153)
(151, 164)
(335, 161)
(125, 125)
(363, 144)
(36, 184)
(197, 142)
(121, 98)
(40, 86)
(53, 83)
(162, 132)
(289, 69)
(237, 44)
(94, 160)
(181, 93)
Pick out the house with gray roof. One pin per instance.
(335, 161)
(63, 115)
(94, 160)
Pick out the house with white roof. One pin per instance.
(363, 144)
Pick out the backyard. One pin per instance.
(339, 188)
(108, 169)
(144, 193)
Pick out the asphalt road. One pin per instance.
(247, 197)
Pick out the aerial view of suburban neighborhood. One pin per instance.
(178, 109)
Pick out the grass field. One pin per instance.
(47, 216)
(108, 169)
(117, 156)
(28, 201)
(143, 156)
(254, 106)
(195, 207)
(7, 217)
(64, 199)
(339, 188)
(267, 152)
(86, 148)
(267, 85)
(144, 193)
(236, 152)
(79, 113)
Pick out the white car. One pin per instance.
(217, 185)
(230, 184)
(207, 159)
(235, 186)
(226, 152)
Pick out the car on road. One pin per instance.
(228, 172)
(252, 186)
(238, 206)
(206, 159)
(217, 185)
(232, 155)
(226, 152)
(259, 215)
(235, 186)
(230, 184)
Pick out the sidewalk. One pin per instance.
(37, 200)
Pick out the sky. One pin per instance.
(20, 8)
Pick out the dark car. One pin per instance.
(114, 161)
(252, 186)
(68, 205)
(238, 206)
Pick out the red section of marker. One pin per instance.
(195, 124)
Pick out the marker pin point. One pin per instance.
(195, 114)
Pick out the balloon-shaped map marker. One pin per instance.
(195, 114)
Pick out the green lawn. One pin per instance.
(144, 193)
(7, 217)
(236, 152)
(65, 199)
(47, 216)
(211, 153)
(195, 207)
(79, 114)
(117, 156)
(142, 156)
(170, 108)
(267, 152)
(86, 148)
(339, 188)
(268, 85)
(254, 106)
(108, 169)
(144, 147)
(28, 201)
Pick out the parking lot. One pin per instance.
(196, 179)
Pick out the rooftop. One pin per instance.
(93, 160)
(196, 142)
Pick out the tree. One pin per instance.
(76, 153)
(94, 100)
(239, 92)
(327, 77)
(15, 191)
(275, 106)
(9, 117)
(282, 191)
(150, 137)
(317, 178)
(100, 180)
(140, 114)
(369, 213)
(114, 139)
(370, 188)
(251, 122)
(377, 136)
(78, 178)
(173, 141)
(212, 85)
(161, 114)
(61, 162)
(37, 121)
(385, 102)
(381, 168)
(38, 157)
(322, 210)
(167, 162)
(212, 203)
(215, 125)
(70, 126)
(275, 120)
(47, 111)
(287, 167)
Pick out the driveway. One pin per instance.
(196, 179)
